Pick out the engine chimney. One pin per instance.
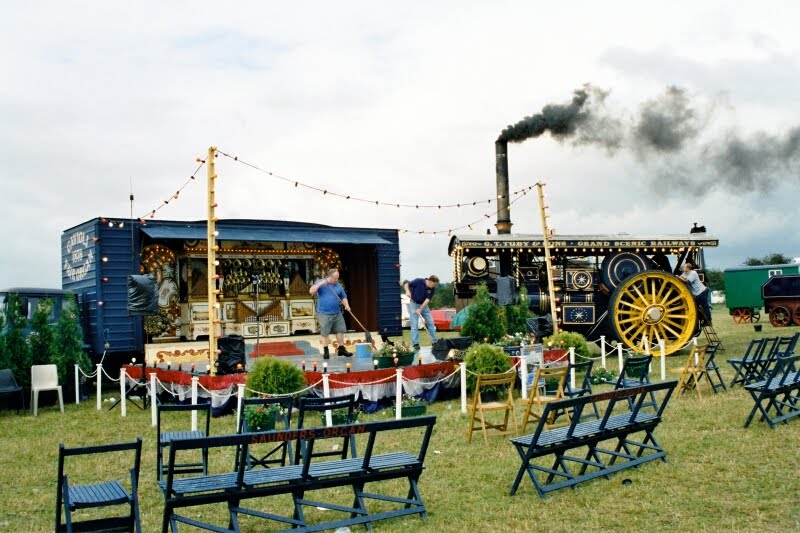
(503, 224)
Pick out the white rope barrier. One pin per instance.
(349, 383)
(271, 395)
(195, 382)
(99, 387)
(463, 370)
(153, 398)
(215, 394)
(122, 393)
(398, 409)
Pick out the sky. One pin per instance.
(399, 103)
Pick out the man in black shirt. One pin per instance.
(420, 291)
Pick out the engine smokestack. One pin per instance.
(503, 224)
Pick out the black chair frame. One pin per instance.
(163, 439)
(278, 454)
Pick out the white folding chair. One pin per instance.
(43, 378)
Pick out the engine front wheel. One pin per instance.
(654, 305)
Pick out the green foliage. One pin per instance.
(517, 314)
(565, 340)
(4, 362)
(485, 359)
(67, 347)
(17, 350)
(444, 296)
(774, 258)
(42, 335)
(483, 322)
(261, 417)
(715, 279)
(394, 350)
(602, 375)
(274, 376)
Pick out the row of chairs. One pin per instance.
(73, 495)
(480, 417)
(700, 369)
(759, 358)
(43, 378)
(278, 455)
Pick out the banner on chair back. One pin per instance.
(142, 295)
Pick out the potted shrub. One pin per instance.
(412, 406)
(560, 343)
(387, 354)
(483, 321)
(602, 375)
(260, 417)
(485, 359)
(511, 343)
(271, 375)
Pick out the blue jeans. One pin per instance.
(414, 320)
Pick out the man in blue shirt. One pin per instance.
(420, 291)
(330, 298)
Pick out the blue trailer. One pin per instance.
(265, 268)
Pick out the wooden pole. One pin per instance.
(213, 302)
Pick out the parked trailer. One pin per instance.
(743, 296)
(265, 267)
(782, 300)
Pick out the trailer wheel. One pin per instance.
(779, 316)
(797, 316)
(657, 305)
(742, 315)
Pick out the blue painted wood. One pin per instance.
(608, 429)
(777, 397)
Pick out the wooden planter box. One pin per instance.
(402, 360)
(412, 410)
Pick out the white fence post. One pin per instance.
(523, 369)
(572, 370)
(663, 348)
(77, 386)
(153, 398)
(603, 351)
(99, 387)
(398, 395)
(619, 356)
(195, 382)
(463, 387)
(239, 400)
(326, 393)
(646, 343)
(122, 400)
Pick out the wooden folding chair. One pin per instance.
(693, 371)
(536, 397)
(505, 403)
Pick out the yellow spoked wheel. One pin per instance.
(655, 305)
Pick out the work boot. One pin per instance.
(325, 353)
(343, 352)
(416, 347)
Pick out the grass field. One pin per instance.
(718, 477)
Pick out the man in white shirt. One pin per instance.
(698, 290)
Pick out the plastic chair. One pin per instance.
(538, 398)
(44, 378)
(283, 421)
(9, 387)
(71, 498)
(504, 403)
(166, 437)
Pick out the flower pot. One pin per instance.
(402, 360)
(267, 424)
(512, 350)
(412, 410)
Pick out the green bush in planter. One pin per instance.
(483, 324)
(517, 314)
(274, 376)
(565, 340)
(485, 359)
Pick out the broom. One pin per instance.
(367, 334)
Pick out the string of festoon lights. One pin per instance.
(174, 196)
(448, 231)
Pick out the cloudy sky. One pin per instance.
(397, 102)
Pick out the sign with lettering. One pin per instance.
(78, 255)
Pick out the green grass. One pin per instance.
(719, 475)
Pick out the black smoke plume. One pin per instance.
(667, 134)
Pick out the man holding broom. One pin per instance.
(329, 312)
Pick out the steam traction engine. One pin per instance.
(625, 287)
